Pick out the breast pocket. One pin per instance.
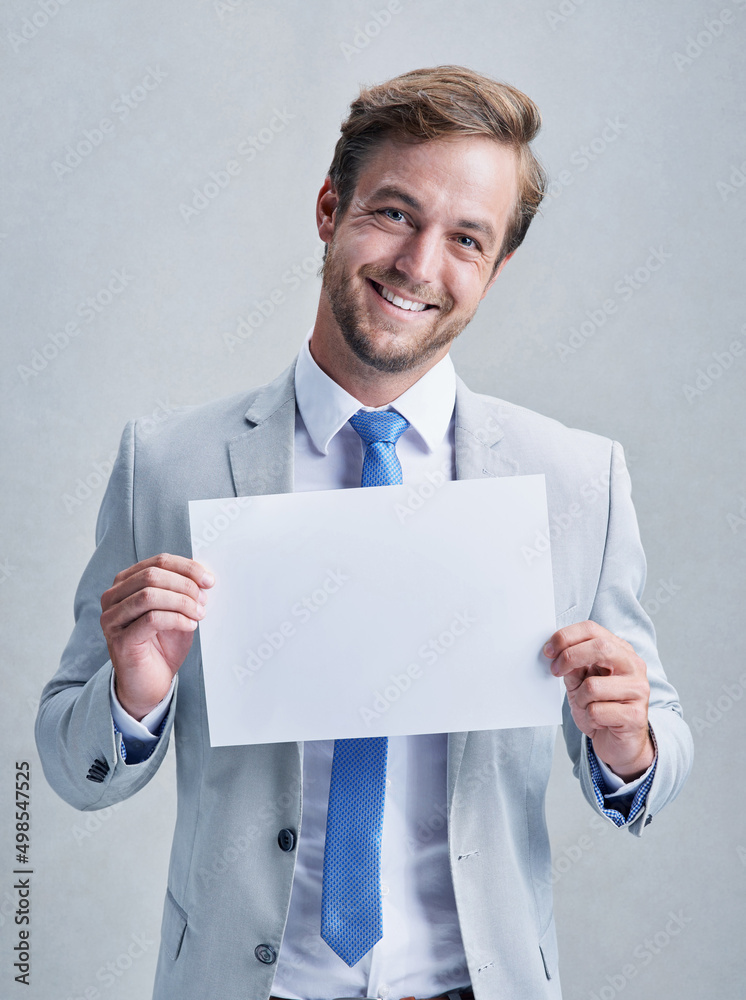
(568, 617)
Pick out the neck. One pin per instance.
(367, 384)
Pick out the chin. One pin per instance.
(395, 359)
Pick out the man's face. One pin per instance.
(425, 224)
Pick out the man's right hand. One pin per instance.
(149, 616)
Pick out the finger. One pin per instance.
(181, 565)
(151, 574)
(149, 599)
(609, 688)
(145, 628)
(573, 634)
(150, 578)
(623, 716)
(604, 653)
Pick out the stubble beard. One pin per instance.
(356, 327)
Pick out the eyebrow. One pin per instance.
(390, 191)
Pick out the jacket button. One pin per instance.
(265, 953)
(286, 839)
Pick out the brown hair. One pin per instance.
(439, 103)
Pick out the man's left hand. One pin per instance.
(608, 693)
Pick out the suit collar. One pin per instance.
(482, 448)
(262, 456)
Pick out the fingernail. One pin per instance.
(202, 597)
(200, 611)
(548, 649)
(207, 580)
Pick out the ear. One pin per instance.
(494, 277)
(326, 204)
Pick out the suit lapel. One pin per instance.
(262, 456)
(482, 448)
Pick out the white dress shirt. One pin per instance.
(421, 952)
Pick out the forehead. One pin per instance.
(468, 176)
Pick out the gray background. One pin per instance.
(663, 178)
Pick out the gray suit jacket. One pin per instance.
(229, 879)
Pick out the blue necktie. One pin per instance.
(351, 896)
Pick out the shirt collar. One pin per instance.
(325, 406)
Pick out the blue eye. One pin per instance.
(469, 245)
(390, 212)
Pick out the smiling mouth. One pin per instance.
(397, 300)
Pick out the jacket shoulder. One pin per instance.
(540, 442)
(194, 430)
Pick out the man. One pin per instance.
(431, 190)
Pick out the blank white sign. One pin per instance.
(376, 612)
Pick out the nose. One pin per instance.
(418, 258)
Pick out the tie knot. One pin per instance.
(381, 425)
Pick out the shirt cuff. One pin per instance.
(616, 785)
(147, 727)
(618, 793)
(138, 740)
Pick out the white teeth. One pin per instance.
(397, 300)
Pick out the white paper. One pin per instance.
(376, 612)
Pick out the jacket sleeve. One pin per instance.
(617, 607)
(74, 729)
